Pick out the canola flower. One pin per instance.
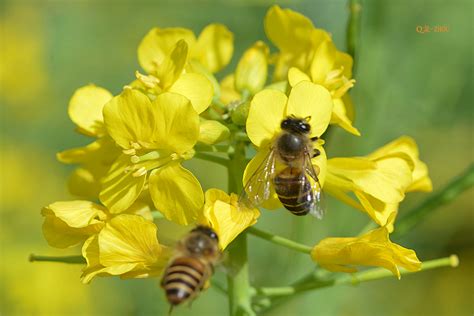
(178, 111)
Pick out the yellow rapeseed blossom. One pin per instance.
(371, 249)
(308, 53)
(295, 37)
(69, 223)
(155, 136)
(85, 110)
(332, 69)
(379, 180)
(221, 213)
(269, 107)
(170, 76)
(127, 245)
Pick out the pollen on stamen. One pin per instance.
(130, 151)
(135, 159)
(140, 172)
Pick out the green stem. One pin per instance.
(238, 287)
(353, 26)
(457, 186)
(278, 240)
(288, 292)
(63, 259)
(212, 158)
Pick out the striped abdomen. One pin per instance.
(183, 278)
(294, 191)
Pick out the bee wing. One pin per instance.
(258, 187)
(318, 205)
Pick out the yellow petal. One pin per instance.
(251, 71)
(77, 214)
(85, 109)
(128, 242)
(177, 194)
(407, 145)
(371, 249)
(58, 234)
(129, 118)
(120, 187)
(85, 182)
(69, 223)
(212, 132)
(310, 100)
(267, 110)
(173, 65)
(321, 163)
(379, 211)
(176, 123)
(339, 117)
(214, 47)
(384, 179)
(228, 92)
(323, 61)
(90, 251)
(287, 29)
(158, 43)
(222, 214)
(103, 150)
(196, 88)
(295, 76)
(345, 61)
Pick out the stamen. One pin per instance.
(135, 145)
(140, 172)
(130, 151)
(135, 159)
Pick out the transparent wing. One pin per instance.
(258, 187)
(316, 196)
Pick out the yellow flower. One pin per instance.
(333, 70)
(169, 76)
(269, 107)
(212, 49)
(221, 213)
(127, 246)
(249, 78)
(296, 38)
(379, 180)
(69, 223)
(308, 53)
(155, 136)
(85, 110)
(371, 249)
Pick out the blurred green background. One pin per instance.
(407, 84)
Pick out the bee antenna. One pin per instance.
(308, 118)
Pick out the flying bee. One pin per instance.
(192, 266)
(288, 168)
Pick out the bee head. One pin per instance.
(296, 125)
(206, 231)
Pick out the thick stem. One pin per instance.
(238, 287)
(278, 240)
(63, 259)
(457, 186)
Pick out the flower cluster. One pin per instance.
(176, 110)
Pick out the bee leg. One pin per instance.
(316, 153)
(315, 138)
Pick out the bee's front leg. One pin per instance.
(316, 153)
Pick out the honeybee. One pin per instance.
(192, 266)
(288, 168)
